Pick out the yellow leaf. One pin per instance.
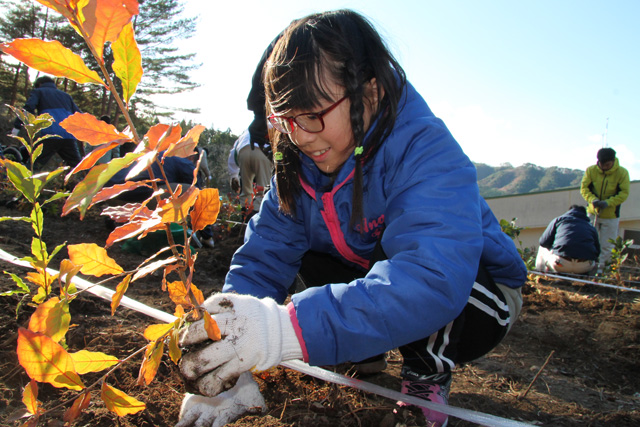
(120, 290)
(46, 361)
(119, 402)
(211, 326)
(127, 62)
(177, 209)
(93, 259)
(175, 353)
(104, 19)
(151, 362)
(52, 58)
(79, 405)
(30, 397)
(92, 361)
(206, 208)
(153, 332)
(51, 318)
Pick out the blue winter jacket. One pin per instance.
(421, 188)
(572, 236)
(48, 99)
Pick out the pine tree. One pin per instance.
(166, 71)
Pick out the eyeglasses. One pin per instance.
(308, 122)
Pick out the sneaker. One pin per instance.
(434, 389)
(370, 366)
(208, 243)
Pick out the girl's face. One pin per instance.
(331, 148)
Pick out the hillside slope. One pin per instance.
(527, 178)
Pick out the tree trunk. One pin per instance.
(14, 89)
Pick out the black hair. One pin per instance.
(606, 155)
(343, 46)
(578, 208)
(43, 79)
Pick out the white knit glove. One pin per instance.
(203, 411)
(257, 334)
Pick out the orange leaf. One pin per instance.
(154, 332)
(150, 268)
(132, 229)
(127, 63)
(104, 20)
(86, 127)
(30, 397)
(94, 260)
(52, 58)
(177, 209)
(186, 145)
(115, 190)
(178, 293)
(51, 318)
(79, 405)
(119, 402)
(68, 270)
(46, 361)
(179, 311)
(151, 362)
(170, 137)
(206, 208)
(120, 290)
(94, 155)
(211, 326)
(197, 293)
(92, 361)
(63, 7)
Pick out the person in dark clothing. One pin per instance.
(258, 129)
(569, 244)
(46, 98)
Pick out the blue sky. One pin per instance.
(516, 82)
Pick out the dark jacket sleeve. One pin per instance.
(549, 235)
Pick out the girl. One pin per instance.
(377, 207)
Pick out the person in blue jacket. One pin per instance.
(376, 206)
(46, 98)
(569, 244)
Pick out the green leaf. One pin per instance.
(97, 177)
(23, 289)
(57, 249)
(37, 219)
(15, 218)
(59, 195)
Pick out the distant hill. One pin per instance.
(505, 179)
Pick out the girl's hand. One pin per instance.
(257, 334)
(226, 407)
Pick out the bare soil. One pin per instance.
(588, 336)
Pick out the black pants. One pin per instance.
(477, 330)
(66, 148)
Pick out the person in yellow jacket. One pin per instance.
(605, 186)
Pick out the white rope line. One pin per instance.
(573, 279)
(297, 365)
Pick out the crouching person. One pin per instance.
(377, 208)
(569, 244)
